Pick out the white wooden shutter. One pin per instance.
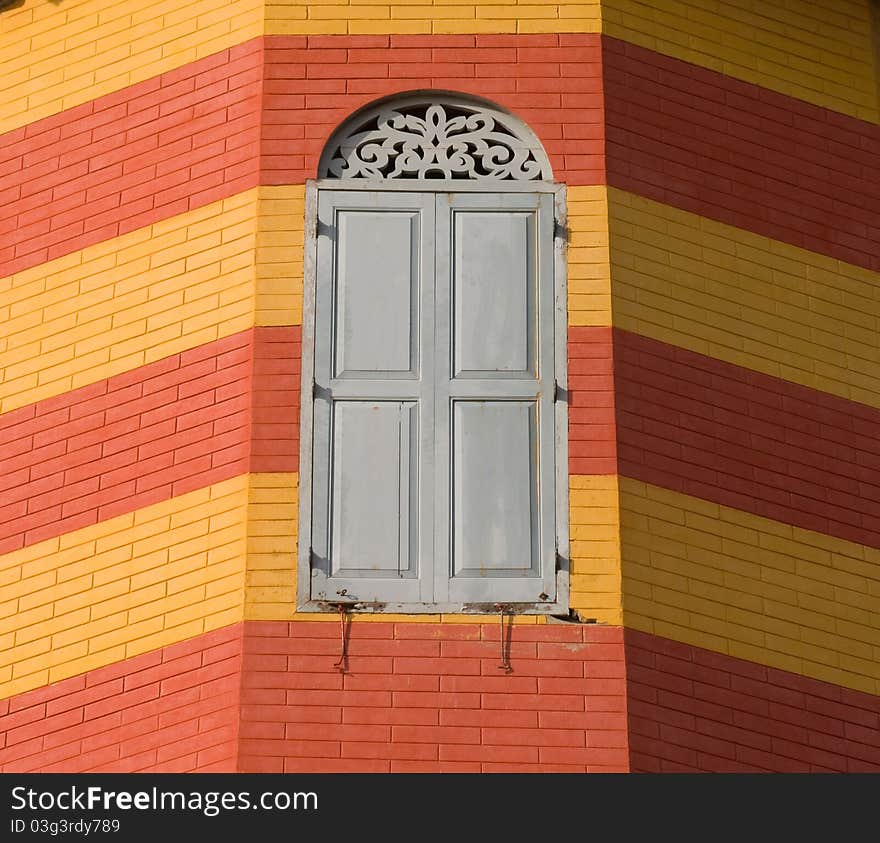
(495, 539)
(373, 406)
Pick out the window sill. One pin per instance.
(357, 607)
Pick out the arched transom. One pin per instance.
(434, 138)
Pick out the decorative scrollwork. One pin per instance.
(434, 140)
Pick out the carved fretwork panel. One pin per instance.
(435, 139)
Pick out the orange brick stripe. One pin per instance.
(742, 439)
(192, 136)
(429, 697)
(738, 153)
(159, 431)
(264, 696)
(592, 446)
(276, 399)
(152, 150)
(170, 710)
(693, 710)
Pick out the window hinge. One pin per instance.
(559, 394)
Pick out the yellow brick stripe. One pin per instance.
(279, 255)
(594, 528)
(157, 291)
(123, 587)
(589, 280)
(271, 547)
(819, 51)
(357, 17)
(732, 582)
(271, 544)
(54, 56)
(777, 309)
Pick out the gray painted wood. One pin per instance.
(484, 496)
(495, 529)
(375, 479)
(373, 408)
(473, 365)
(376, 296)
(493, 295)
(560, 321)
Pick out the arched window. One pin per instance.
(434, 461)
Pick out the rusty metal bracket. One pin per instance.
(505, 640)
(342, 664)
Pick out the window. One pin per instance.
(433, 473)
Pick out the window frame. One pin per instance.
(305, 602)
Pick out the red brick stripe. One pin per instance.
(416, 697)
(743, 155)
(171, 710)
(552, 82)
(276, 399)
(429, 697)
(742, 439)
(179, 424)
(692, 710)
(193, 135)
(203, 416)
(592, 446)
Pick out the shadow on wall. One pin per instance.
(7, 5)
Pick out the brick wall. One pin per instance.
(275, 400)
(152, 226)
(126, 303)
(121, 444)
(553, 82)
(432, 16)
(819, 51)
(758, 303)
(591, 431)
(697, 425)
(279, 255)
(429, 697)
(172, 143)
(60, 57)
(270, 588)
(594, 529)
(169, 710)
(703, 142)
(589, 282)
(720, 578)
(692, 710)
(123, 587)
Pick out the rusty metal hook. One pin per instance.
(505, 651)
(342, 664)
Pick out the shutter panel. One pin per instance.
(373, 410)
(495, 539)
